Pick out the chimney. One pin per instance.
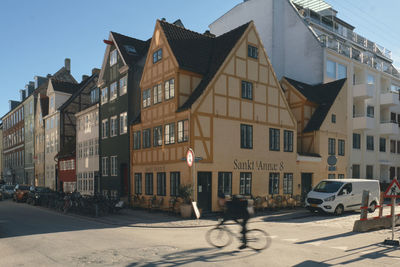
(22, 94)
(29, 88)
(95, 71)
(209, 34)
(84, 77)
(178, 23)
(163, 19)
(39, 80)
(67, 64)
(13, 104)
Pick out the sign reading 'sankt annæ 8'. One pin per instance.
(257, 165)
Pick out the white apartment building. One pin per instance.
(87, 147)
(308, 42)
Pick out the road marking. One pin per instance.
(273, 236)
(291, 239)
(341, 248)
(315, 243)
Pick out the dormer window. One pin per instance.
(157, 56)
(113, 57)
(52, 102)
(252, 51)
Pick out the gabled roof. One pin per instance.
(203, 54)
(131, 49)
(324, 95)
(44, 105)
(65, 87)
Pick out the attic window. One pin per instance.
(113, 57)
(157, 56)
(130, 49)
(333, 118)
(252, 51)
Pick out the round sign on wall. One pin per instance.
(190, 158)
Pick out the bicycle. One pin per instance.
(221, 236)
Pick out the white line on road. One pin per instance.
(291, 239)
(341, 248)
(274, 236)
(315, 243)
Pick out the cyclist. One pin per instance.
(235, 209)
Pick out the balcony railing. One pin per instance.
(363, 122)
(363, 91)
(389, 128)
(389, 99)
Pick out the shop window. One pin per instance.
(183, 131)
(245, 183)
(247, 90)
(169, 132)
(246, 136)
(288, 183)
(136, 140)
(288, 141)
(356, 141)
(273, 183)
(138, 183)
(157, 136)
(161, 186)
(149, 184)
(341, 147)
(225, 183)
(370, 142)
(274, 139)
(169, 89)
(175, 181)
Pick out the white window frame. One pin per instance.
(123, 123)
(157, 94)
(123, 85)
(104, 128)
(113, 91)
(169, 89)
(113, 161)
(113, 126)
(113, 57)
(146, 97)
(104, 95)
(104, 166)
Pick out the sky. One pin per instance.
(38, 35)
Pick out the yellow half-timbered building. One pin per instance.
(218, 96)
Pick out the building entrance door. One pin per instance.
(306, 185)
(204, 191)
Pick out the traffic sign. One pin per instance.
(393, 190)
(331, 160)
(189, 157)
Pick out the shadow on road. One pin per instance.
(305, 217)
(200, 255)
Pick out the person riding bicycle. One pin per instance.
(236, 209)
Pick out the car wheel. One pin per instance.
(339, 210)
(372, 207)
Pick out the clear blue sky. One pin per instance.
(38, 35)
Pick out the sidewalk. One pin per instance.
(142, 218)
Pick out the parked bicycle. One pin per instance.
(221, 236)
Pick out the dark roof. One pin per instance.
(131, 49)
(323, 95)
(44, 105)
(203, 54)
(65, 87)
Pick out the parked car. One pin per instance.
(7, 191)
(339, 195)
(39, 195)
(21, 193)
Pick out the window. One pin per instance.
(382, 144)
(370, 111)
(287, 141)
(161, 186)
(157, 56)
(94, 95)
(114, 171)
(246, 136)
(341, 147)
(183, 131)
(52, 102)
(123, 85)
(113, 57)
(252, 51)
(392, 172)
(146, 98)
(341, 176)
(356, 141)
(370, 79)
(104, 128)
(113, 91)
(169, 133)
(104, 95)
(169, 89)
(123, 123)
(245, 183)
(274, 137)
(113, 126)
(370, 171)
(342, 71)
(157, 94)
(138, 183)
(288, 183)
(136, 140)
(157, 136)
(149, 183)
(331, 176)
(146, 138)
(333, 118)
(247, 90)
(398, 148)
(104, 166)
(175, 181)
(331, 69)
(370, 142)
(273, 183)
(392, 146)
(225, 183)
(356, 171)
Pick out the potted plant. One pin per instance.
(185, 192)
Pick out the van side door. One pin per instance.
(346, 196)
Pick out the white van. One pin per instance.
(338, 195)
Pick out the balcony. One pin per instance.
(390, 99)
(389, 128)
(363, 122)
(363, 91)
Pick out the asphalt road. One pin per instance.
(34, 236)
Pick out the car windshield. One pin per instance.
(328, 186)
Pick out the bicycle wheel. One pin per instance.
(258, 239)
(218, 237)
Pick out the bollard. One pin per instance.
(365, 201)
(381, 199)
